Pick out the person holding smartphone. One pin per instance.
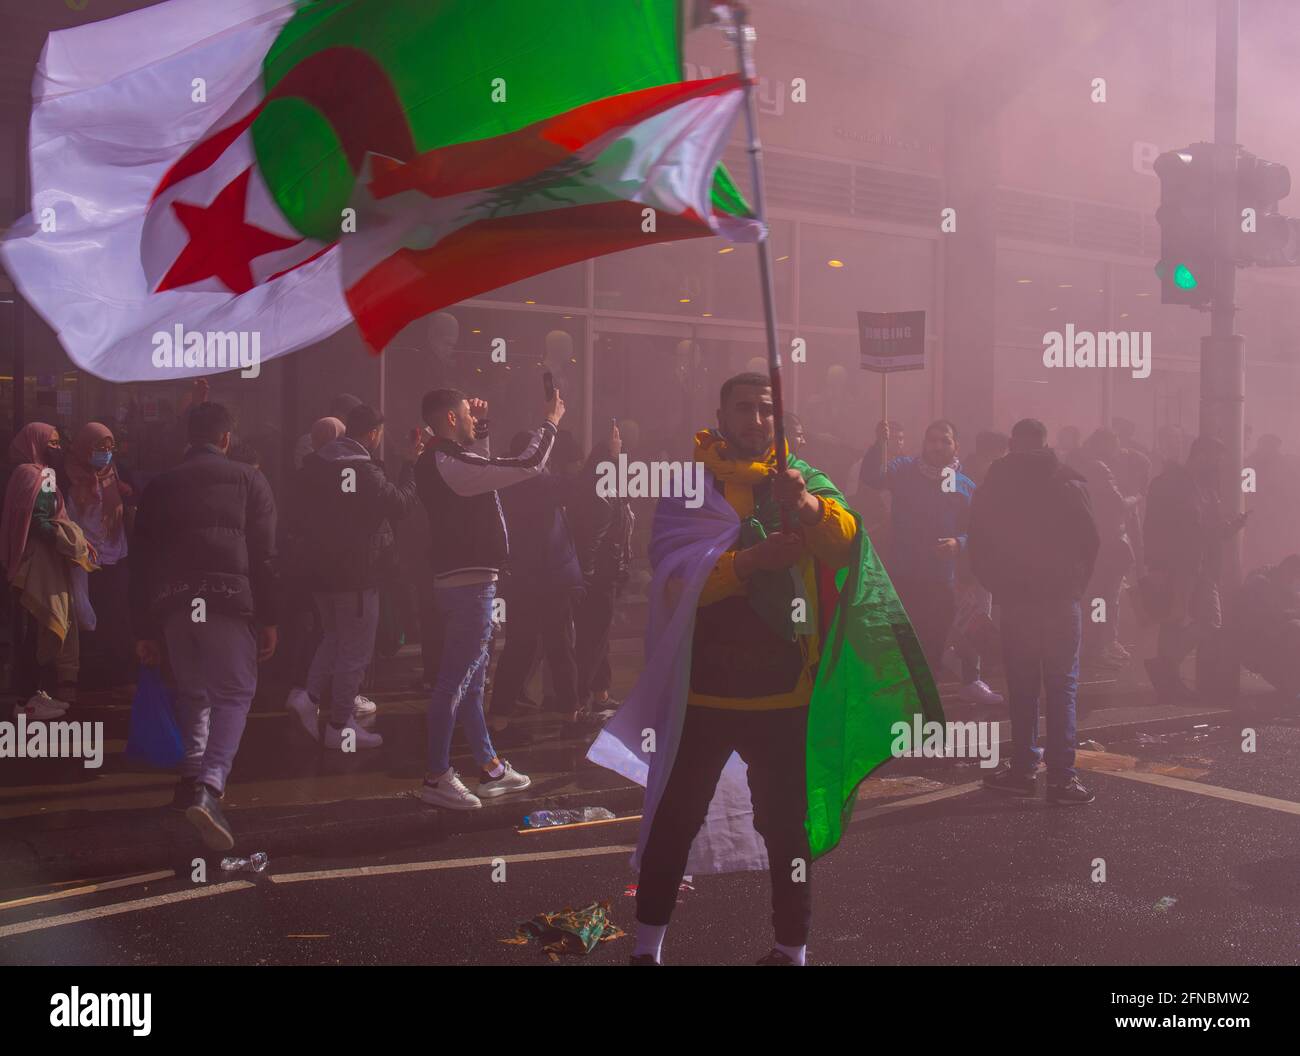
(458, 478)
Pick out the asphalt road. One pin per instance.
(1198, 840)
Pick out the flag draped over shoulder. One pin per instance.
(871, 675)
(289, 167)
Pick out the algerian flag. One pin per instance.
(202, 170)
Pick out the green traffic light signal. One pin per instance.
(1183, 277)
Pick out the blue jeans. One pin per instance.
(1040, 648)
(466, 614)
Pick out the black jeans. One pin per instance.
(772, 743)
(592, 618)
(532, 616)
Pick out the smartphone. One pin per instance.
(613, 423)
(548, 384)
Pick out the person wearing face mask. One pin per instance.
(348, 547)
(97, 501)
(39, 546)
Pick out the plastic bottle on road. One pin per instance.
(540, 819)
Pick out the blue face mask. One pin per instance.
(100, 459)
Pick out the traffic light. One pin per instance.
(1186, 218)
(1265, 238)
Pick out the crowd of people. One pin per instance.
(1016, 558)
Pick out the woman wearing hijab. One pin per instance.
(97, 501)
(38, 546)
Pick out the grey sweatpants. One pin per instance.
(215, 664)
(348, 625)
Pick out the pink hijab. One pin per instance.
(324, 430)
(91, 486)
(28, 451)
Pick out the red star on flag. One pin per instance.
(221, 244)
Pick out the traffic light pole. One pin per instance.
(1223, 377)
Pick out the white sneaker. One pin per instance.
(363, 706)
(301, 704)
(364, 738)
(978, 692)
(449, 791)
(510, 781)
(40, 705)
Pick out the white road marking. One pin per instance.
(121, 907)
(88, 889)
(1197, 788)
(916, 801)
(1233, 795)
(446, 863)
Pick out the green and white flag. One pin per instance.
(289, 168)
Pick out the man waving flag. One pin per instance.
(288, 168)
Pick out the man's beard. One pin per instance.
(741, 447)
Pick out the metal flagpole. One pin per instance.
(744, 36)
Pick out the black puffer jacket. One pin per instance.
(344, 526)
(205, 529)
(602, 528)
(1032, 533)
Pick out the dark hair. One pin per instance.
(761, 381)
(208, 423)
(1029, 432)
(363, 419)
(942, 423)
(341, 404)
(438, 402)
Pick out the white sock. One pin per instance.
(795, 953)
(495, 771)
(649, 939)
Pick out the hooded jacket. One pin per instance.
(345, 524)
(1032, 532)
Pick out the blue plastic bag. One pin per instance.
(154, 737)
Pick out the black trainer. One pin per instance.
(642, 958)
(204, 813)
(184, 795)
(1009, 783)
(776, 957)
(1073, 793)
